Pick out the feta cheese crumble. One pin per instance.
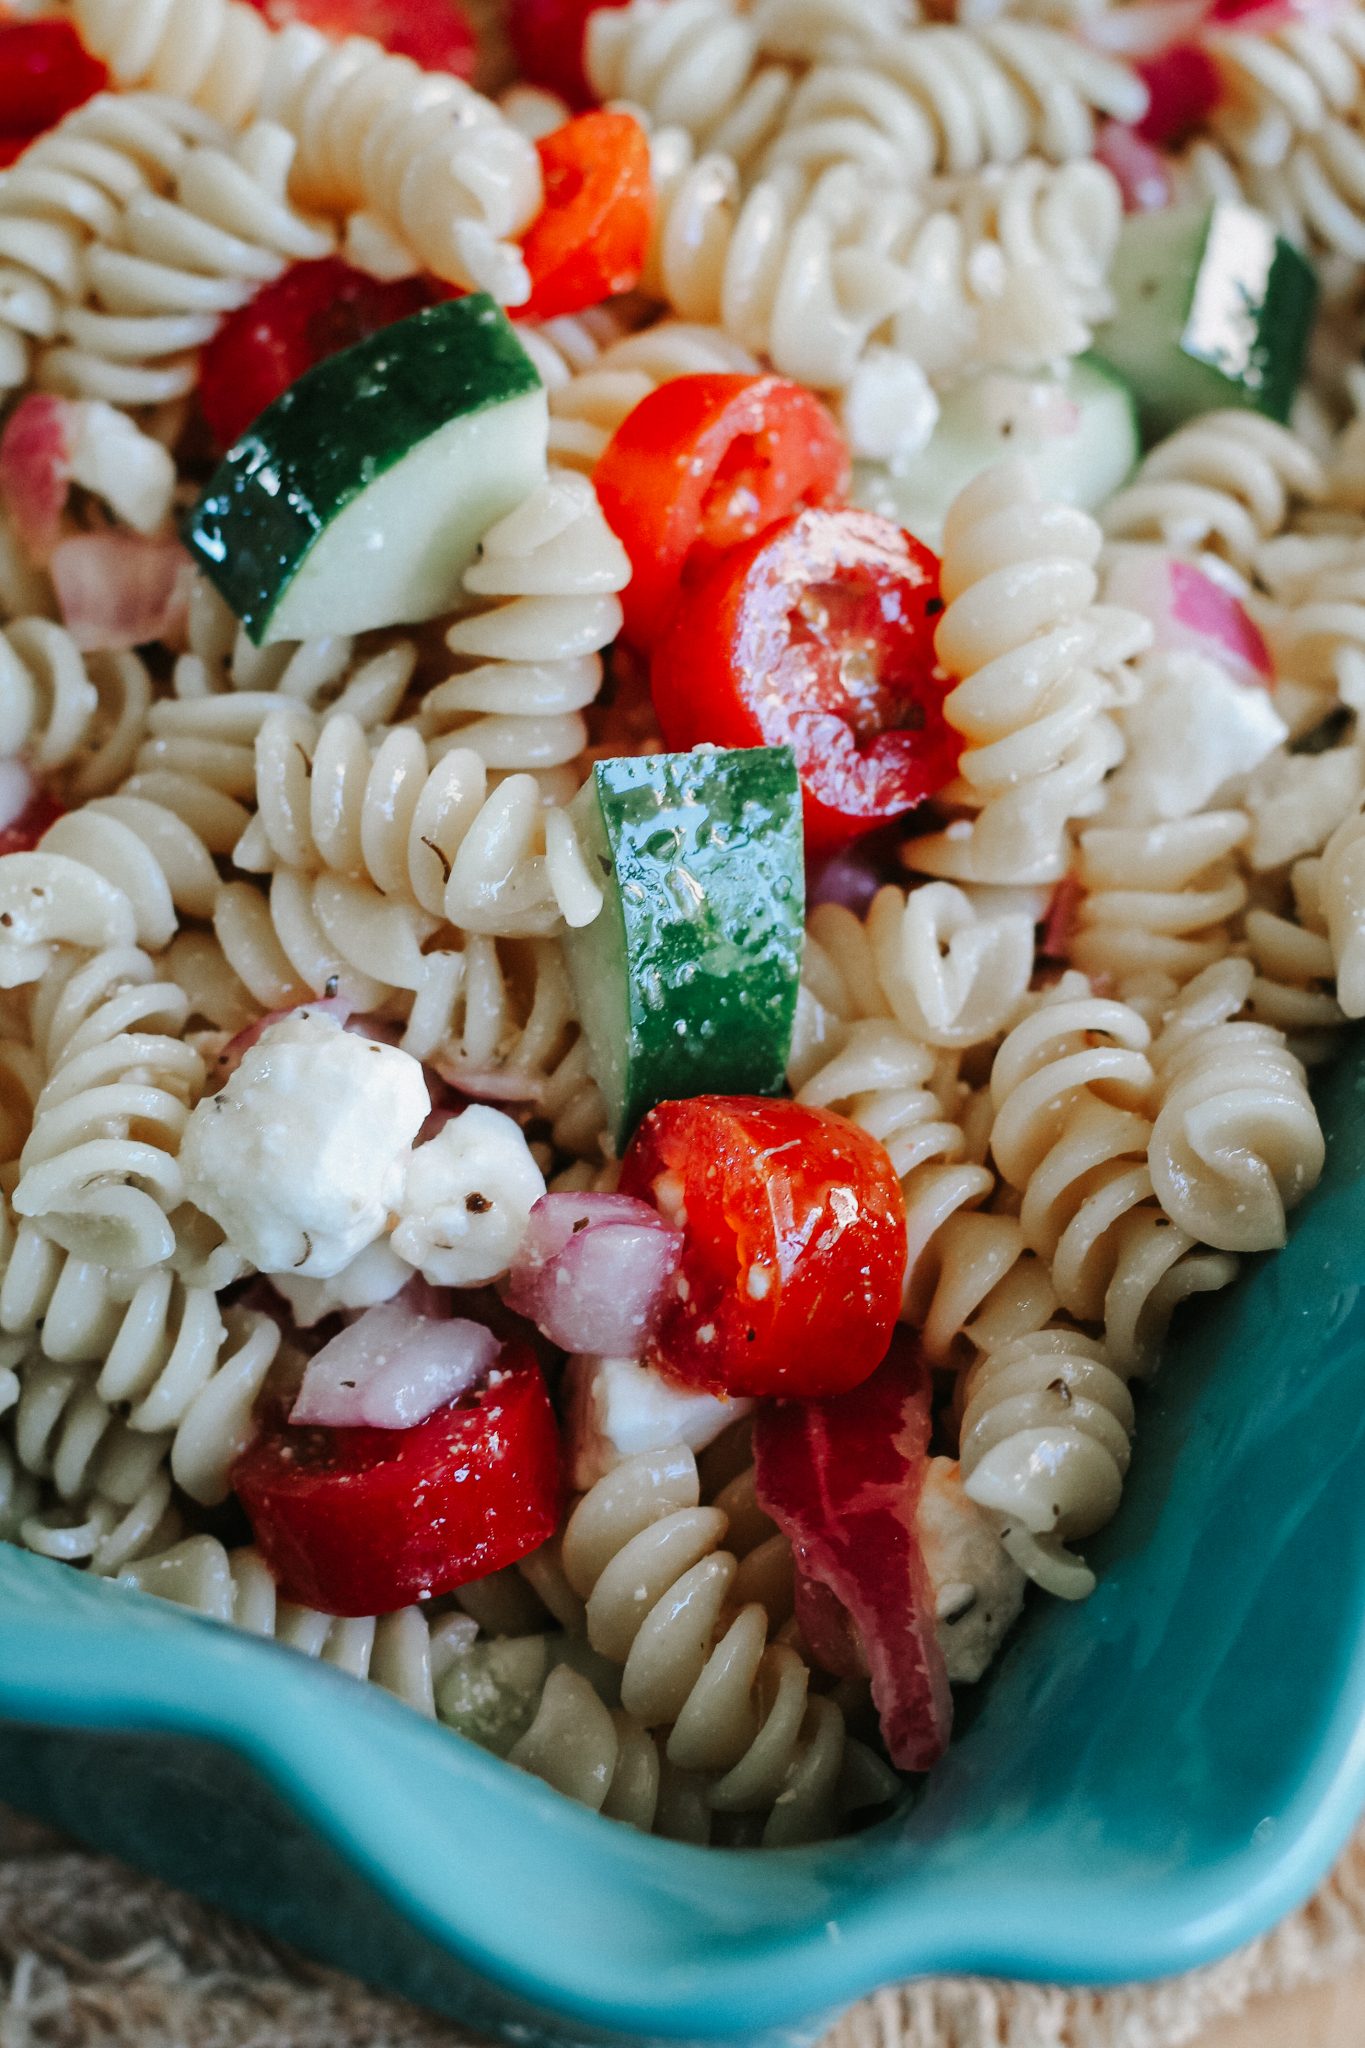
(466, 1199)
(616, 1407)
(978, 1588)
(299, 1158)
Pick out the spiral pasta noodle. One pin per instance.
(558, 567)
(1225, 482)
(69, 192)
(1236, 1141)
(1158, 900)
(99, 1174)
(594, 382)
(156, 290)
(1046, 1430)
(406, 1653)
(1039, 664)
(76, 718)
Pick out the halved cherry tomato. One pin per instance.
(45, 72)
(22, 834)
(314, 311)
(704, 464)
(365, 1521)
(793, 1247)
(818, 636)
(434, 33)
(547, 39)
(591, 237)
(1184, 86)
(842, 1479)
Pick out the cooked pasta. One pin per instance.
(156, 288)
(77, 718)
(406, 1653)
(1040, 665)
(1225, 483)
(1158, 900)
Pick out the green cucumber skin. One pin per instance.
(343, 424)
(701, 937)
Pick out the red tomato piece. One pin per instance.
(434, 33)
(793, 1246)
(547, 39)
(818, 636)
(1184, 87)
(591, 237)
(314, 311)
(365, 1521)
(842, 1478)
(23, 833)
(704, 464)
(45, 72)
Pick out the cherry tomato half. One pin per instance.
(365, 1521)
(793, 1246)
(704, 464)
(434, 33)
(314, 311)
(590, 239)
(1184, 86)
(818, 636)
(45, 72)
(547, 38)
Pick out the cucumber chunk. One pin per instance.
(359, 498)
(1078, 434)
(687, 979)
(1214, 309)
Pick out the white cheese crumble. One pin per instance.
(466, 1199)
(1225, 729)
(299, 1158)
(616, 1407)
(978, 1588)
(373, 1276)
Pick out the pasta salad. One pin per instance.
(681, 808)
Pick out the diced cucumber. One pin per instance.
(1078, 434)
(687, 979)
(360, 497)
(1214, 309)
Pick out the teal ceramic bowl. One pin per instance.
(1145, 1781)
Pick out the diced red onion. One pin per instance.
(1059, 925)
(490, 1084)
(591, 1271)
(1140, 170)
(17, 791)
(121, 590)
(391, 1369)
(1191, 614)
(35, 471)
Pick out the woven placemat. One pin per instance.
(94, 1956)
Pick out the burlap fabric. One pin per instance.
(93, 1956)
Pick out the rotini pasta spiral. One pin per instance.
(1039, 666)
(157, 289)
(1158, 901)
(99, 1173)
(558, 567)
(1225, 483)
(696, 64)
(1045, 1447)
(593, 385)
(1236, 1141)
(69, 192)
(76, 719)
(1341, 893)
(211, 53)
(406, 1653)
(648, 1561)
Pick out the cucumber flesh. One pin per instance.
(1214, 309)
(1078, 434)
(687, 979)
(359, 498)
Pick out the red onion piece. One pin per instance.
(1063, 913)
(1191, 614)
(17, 792)
(35, 471)
(591, 1271)
(236, 1049)
(120, 590)
(1140, 170)
(391, 1369)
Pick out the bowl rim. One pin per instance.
(193, 1678)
